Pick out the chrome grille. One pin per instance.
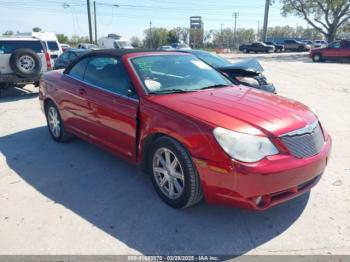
(304, 142)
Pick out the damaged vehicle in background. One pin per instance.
(247, 72)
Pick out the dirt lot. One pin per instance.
(77, 199)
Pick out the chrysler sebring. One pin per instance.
(189, 127)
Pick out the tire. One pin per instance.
(317, 58)
(53, 117)
(245, 51)
(300, 49)
(188, 190)
(25, 63)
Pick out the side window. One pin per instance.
(108, 73)
(78, 70)
(7, 47)
(64, 56)
(53, 45)
(335, 45)
(71, 56)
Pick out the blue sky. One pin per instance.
(132, 17)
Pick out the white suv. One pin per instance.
(22, 61)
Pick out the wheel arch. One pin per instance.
(149, 139)
(48, 100)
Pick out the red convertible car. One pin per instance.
(192, 130)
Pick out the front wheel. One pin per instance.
(173, 174)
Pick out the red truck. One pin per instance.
(338, 50)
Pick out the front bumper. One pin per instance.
(274, 180)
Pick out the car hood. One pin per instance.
(247, 65)
(240, 108)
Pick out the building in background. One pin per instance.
(196, 31)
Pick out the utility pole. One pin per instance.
(222, 37)
(235, 15)
(95, 22)
(150, 34)
(89, 19)
(258, 32)
(266, 18)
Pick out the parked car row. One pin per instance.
(195, 132)
(270, 47)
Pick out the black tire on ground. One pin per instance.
(300, 49)
(25, 63)
(317, 58)
(192, 191)
(61, 135)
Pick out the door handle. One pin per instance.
(81, 91)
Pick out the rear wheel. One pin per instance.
(317, 58)
(173, 174)
(55, 123)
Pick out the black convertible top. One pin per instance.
(114, 52)
(121, 52)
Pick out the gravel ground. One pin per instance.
(77, 199)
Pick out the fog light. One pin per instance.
(259, 200)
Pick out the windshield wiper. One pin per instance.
(171, 91)
(213, 86)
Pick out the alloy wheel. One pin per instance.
(168, 173)
(54, 122)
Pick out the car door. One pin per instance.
(113, 105)
(347, 48)
(71, 96)
(334, 50)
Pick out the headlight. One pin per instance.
(244, 147)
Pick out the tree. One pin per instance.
(344, 31)
(174, 35)
(136, 42)
(62, 38)
(184, 33)
(156, 37)
(78, 39)
(326, 16)
(225, 38)
(8, 32)
(196, 38)
(37, 29)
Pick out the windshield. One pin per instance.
(182, 46)
(52, 46)
(124, 44)
(171, 73)
(212, 59)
